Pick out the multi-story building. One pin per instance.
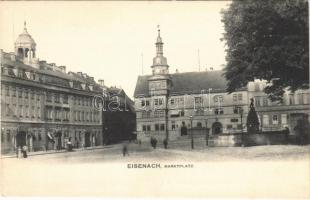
(42, 106)
(119, 119)
(167, 104)
(294, 108)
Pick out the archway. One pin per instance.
(217, 128)
(87, 139)
(21, 139)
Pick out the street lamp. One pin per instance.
(192, 138)
(241, 115)
(207, 134)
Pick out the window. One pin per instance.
(275, 119)
(300, 98)
(265, 101)
(145, 102)
(26, 94)
(8, 110)
(14, 110)
(8, 135)
(162, 127)
(156, 127)
(32, 95)
(144, 128)
(257, 101)
(239, 97)
(146, 114)
(38, 113)
(33, 112)
(159, 113)
(27, 111)
(57, 98)
(198, 100)
(14, 91)
(148, 127)
(38, 96)
(173, 125)
(284, 118)
(155, 102)
(291, 99)
(235, 97)
(20, 111)
(256, 87)
(7, 91)
(199, 124)
(172, 101)
(65, 99)
(49, 97)
(234, 120)
(218, 111)
(182, 113)
(265, 120)
(237, 110)
(39, 136)
(20, 93)
(218, 98)
(229, 126)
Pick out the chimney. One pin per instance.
(101, 82)
(63, 69)
(80, 73)
(176, 71)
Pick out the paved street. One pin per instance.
(105, 172)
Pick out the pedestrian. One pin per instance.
(69, 144)
(24, 151)
(165, 143)
(125, 150)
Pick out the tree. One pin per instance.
(267, 39)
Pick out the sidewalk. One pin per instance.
(35, 153)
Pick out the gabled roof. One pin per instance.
(187, 83)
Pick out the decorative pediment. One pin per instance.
(83, 85)
(71, 84)
(91, 87)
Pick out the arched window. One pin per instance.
(26, 52)
(20, 52)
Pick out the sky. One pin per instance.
(115, 41)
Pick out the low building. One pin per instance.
(43, 106)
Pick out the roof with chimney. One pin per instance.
(49, 73)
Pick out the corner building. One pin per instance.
(43, 106)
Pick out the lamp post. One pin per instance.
(207, 134)
(192, 138)
(241, 115)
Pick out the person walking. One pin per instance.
(24, 151)
(125, 150)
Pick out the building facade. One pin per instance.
(168, 104)
(119, 118)
(43, 106)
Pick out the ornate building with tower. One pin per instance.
(43, 106)
(169, 104)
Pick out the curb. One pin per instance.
(54, 152)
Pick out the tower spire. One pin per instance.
(160, 65)
(25, 26)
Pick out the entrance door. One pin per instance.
(87, 139)
(216, 128)
(21, 139)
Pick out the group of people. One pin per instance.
(153, 142)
